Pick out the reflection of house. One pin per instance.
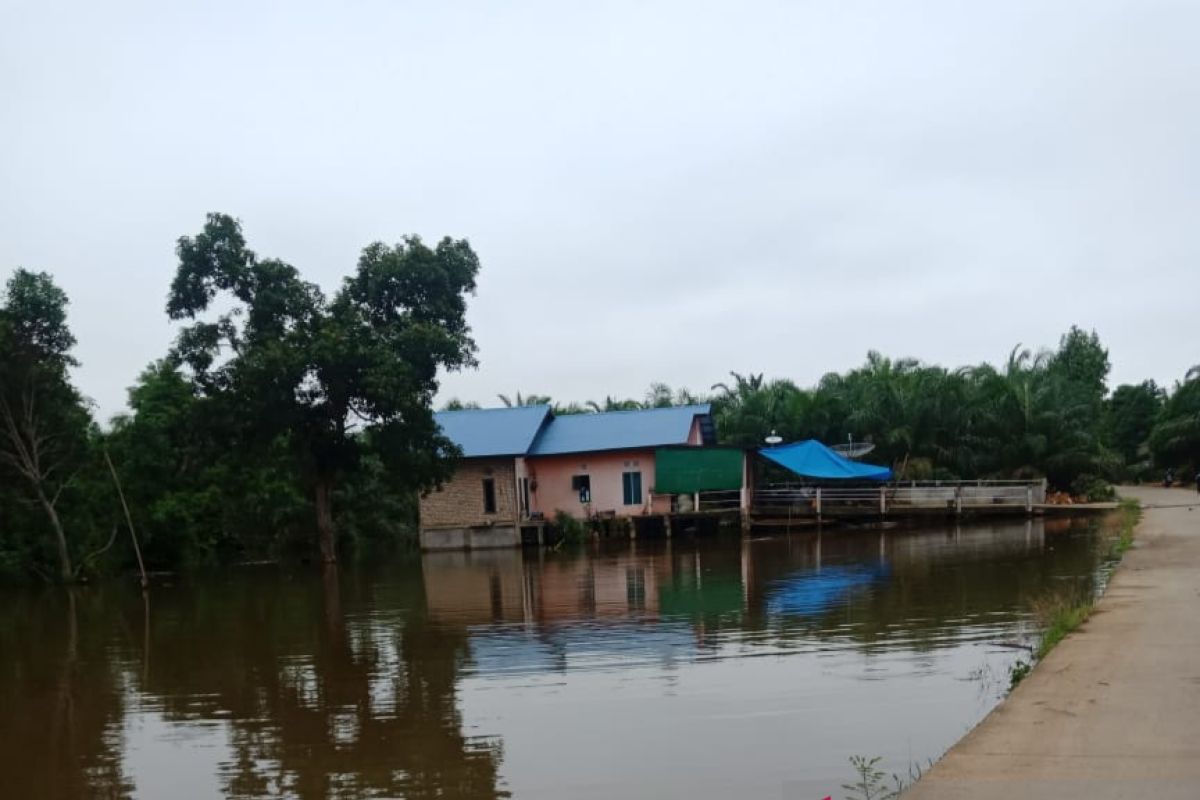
(647, 582)
(526, 463)
(500, 585)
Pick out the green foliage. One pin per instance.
(1058, 615)
(1175, 438)
(1036, 416)
(45, 428)
(1093, 489)
(280, 410)
(199, 497)
(1129, 416)
(871, 783)
(1018, 672)
(571, 530)
(1131, 515)
(519, 400)
(326, 377)
(613, 404)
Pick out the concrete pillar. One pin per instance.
(882, 500)
(1028, 499)
(817, 504)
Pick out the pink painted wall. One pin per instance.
(694, 435)
(554, 473)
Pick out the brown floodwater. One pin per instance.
(686, 669)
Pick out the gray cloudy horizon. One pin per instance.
(657, 191)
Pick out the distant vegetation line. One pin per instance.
(1046, 414)
(295, 424)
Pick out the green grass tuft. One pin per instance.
(1059, 614)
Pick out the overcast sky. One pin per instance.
(657, 190)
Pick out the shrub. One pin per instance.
(1093, 489)
(570, 529)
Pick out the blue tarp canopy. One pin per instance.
(811, 459)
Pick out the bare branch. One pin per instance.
(96, 554)
(18, 465)
(62, 486)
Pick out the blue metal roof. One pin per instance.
(618, 430)
(481, 432)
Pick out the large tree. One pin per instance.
(1129, 417)
(43, 420)
(1175, 439)
(331, 376)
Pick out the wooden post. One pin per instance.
(882, 501)
(818, 503)
(517, 510)
(744, 494)
(128, 518)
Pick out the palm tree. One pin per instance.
(743, 384)
(612, 404)
(527, 400)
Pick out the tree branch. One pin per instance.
(96, 554)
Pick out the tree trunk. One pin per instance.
(60, 538)
(323, 500)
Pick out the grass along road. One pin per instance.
(1114, 710)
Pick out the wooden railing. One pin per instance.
(951, 496)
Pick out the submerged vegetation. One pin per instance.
(285, 422)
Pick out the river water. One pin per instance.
(687, 669)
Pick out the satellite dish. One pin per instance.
(853, 450)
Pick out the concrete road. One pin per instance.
(1114, 710)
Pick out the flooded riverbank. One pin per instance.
(702, 669)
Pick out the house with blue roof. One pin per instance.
(523, 465)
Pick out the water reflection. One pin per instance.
(62, 706)
(498, 673)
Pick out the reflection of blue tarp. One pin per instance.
(580, 644)
(811, 459)
(814, 592)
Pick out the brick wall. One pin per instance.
(459, 503)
